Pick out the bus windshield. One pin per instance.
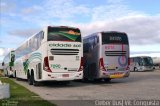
(147, 61)
(64, 34)
(114, 38)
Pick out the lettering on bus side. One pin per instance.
(60, 45)
(77, 45)
(108, 47)
(64, 45)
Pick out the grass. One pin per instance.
(20, 96)
(1, 73)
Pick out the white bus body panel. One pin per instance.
(115, 65)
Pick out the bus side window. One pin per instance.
(86, 48)
(38, 37)
(12, 57)
(97, 39)
(3, 64)
(42, 35)
(36, 44)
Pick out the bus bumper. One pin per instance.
(62, 76)
(114, 75)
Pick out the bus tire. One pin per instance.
(85, 79)
(30, 79)
(107, 79)
(35, 83)
(65, 82)
(98, 80)
(15, 74)
(135, 69)
(18, 79)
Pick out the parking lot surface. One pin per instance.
(138, 86)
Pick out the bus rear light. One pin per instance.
(127, 68)
(101, 64)
(46, 65)
(81, 65)
(129, 61)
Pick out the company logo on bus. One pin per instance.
(60, 45)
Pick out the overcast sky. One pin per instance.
(140, 19)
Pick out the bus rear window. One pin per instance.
(114, 38)
(64, 34)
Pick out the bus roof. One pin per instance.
(62, 27)
(102, 32)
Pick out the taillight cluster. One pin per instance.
(101, 64)
(129, 61)
(81, 65)
(46, 65)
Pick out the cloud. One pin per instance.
(140, 29)
(146, 52)
(6, 6)
(2, 50)
(24, 32)
(31, 10)
(113, 9)
(112, 15)
(152, 54)
(64, 9)
(54, 11)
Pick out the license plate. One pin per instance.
(65, 75)
(116, 75)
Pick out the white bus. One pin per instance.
(141, 63)
(53, 54)
(8, 64)
(106, 56)
(156, 62)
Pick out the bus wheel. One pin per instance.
(107, 79)
(85, 79)
(30, 79)
(65, 82)
(98, 80)
(135, 69)
(15, 74)
(35, 83)
(18, 79)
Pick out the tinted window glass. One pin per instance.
(114, 37)
(147, 61)
(63, 34)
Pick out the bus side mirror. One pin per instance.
(2, 63)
